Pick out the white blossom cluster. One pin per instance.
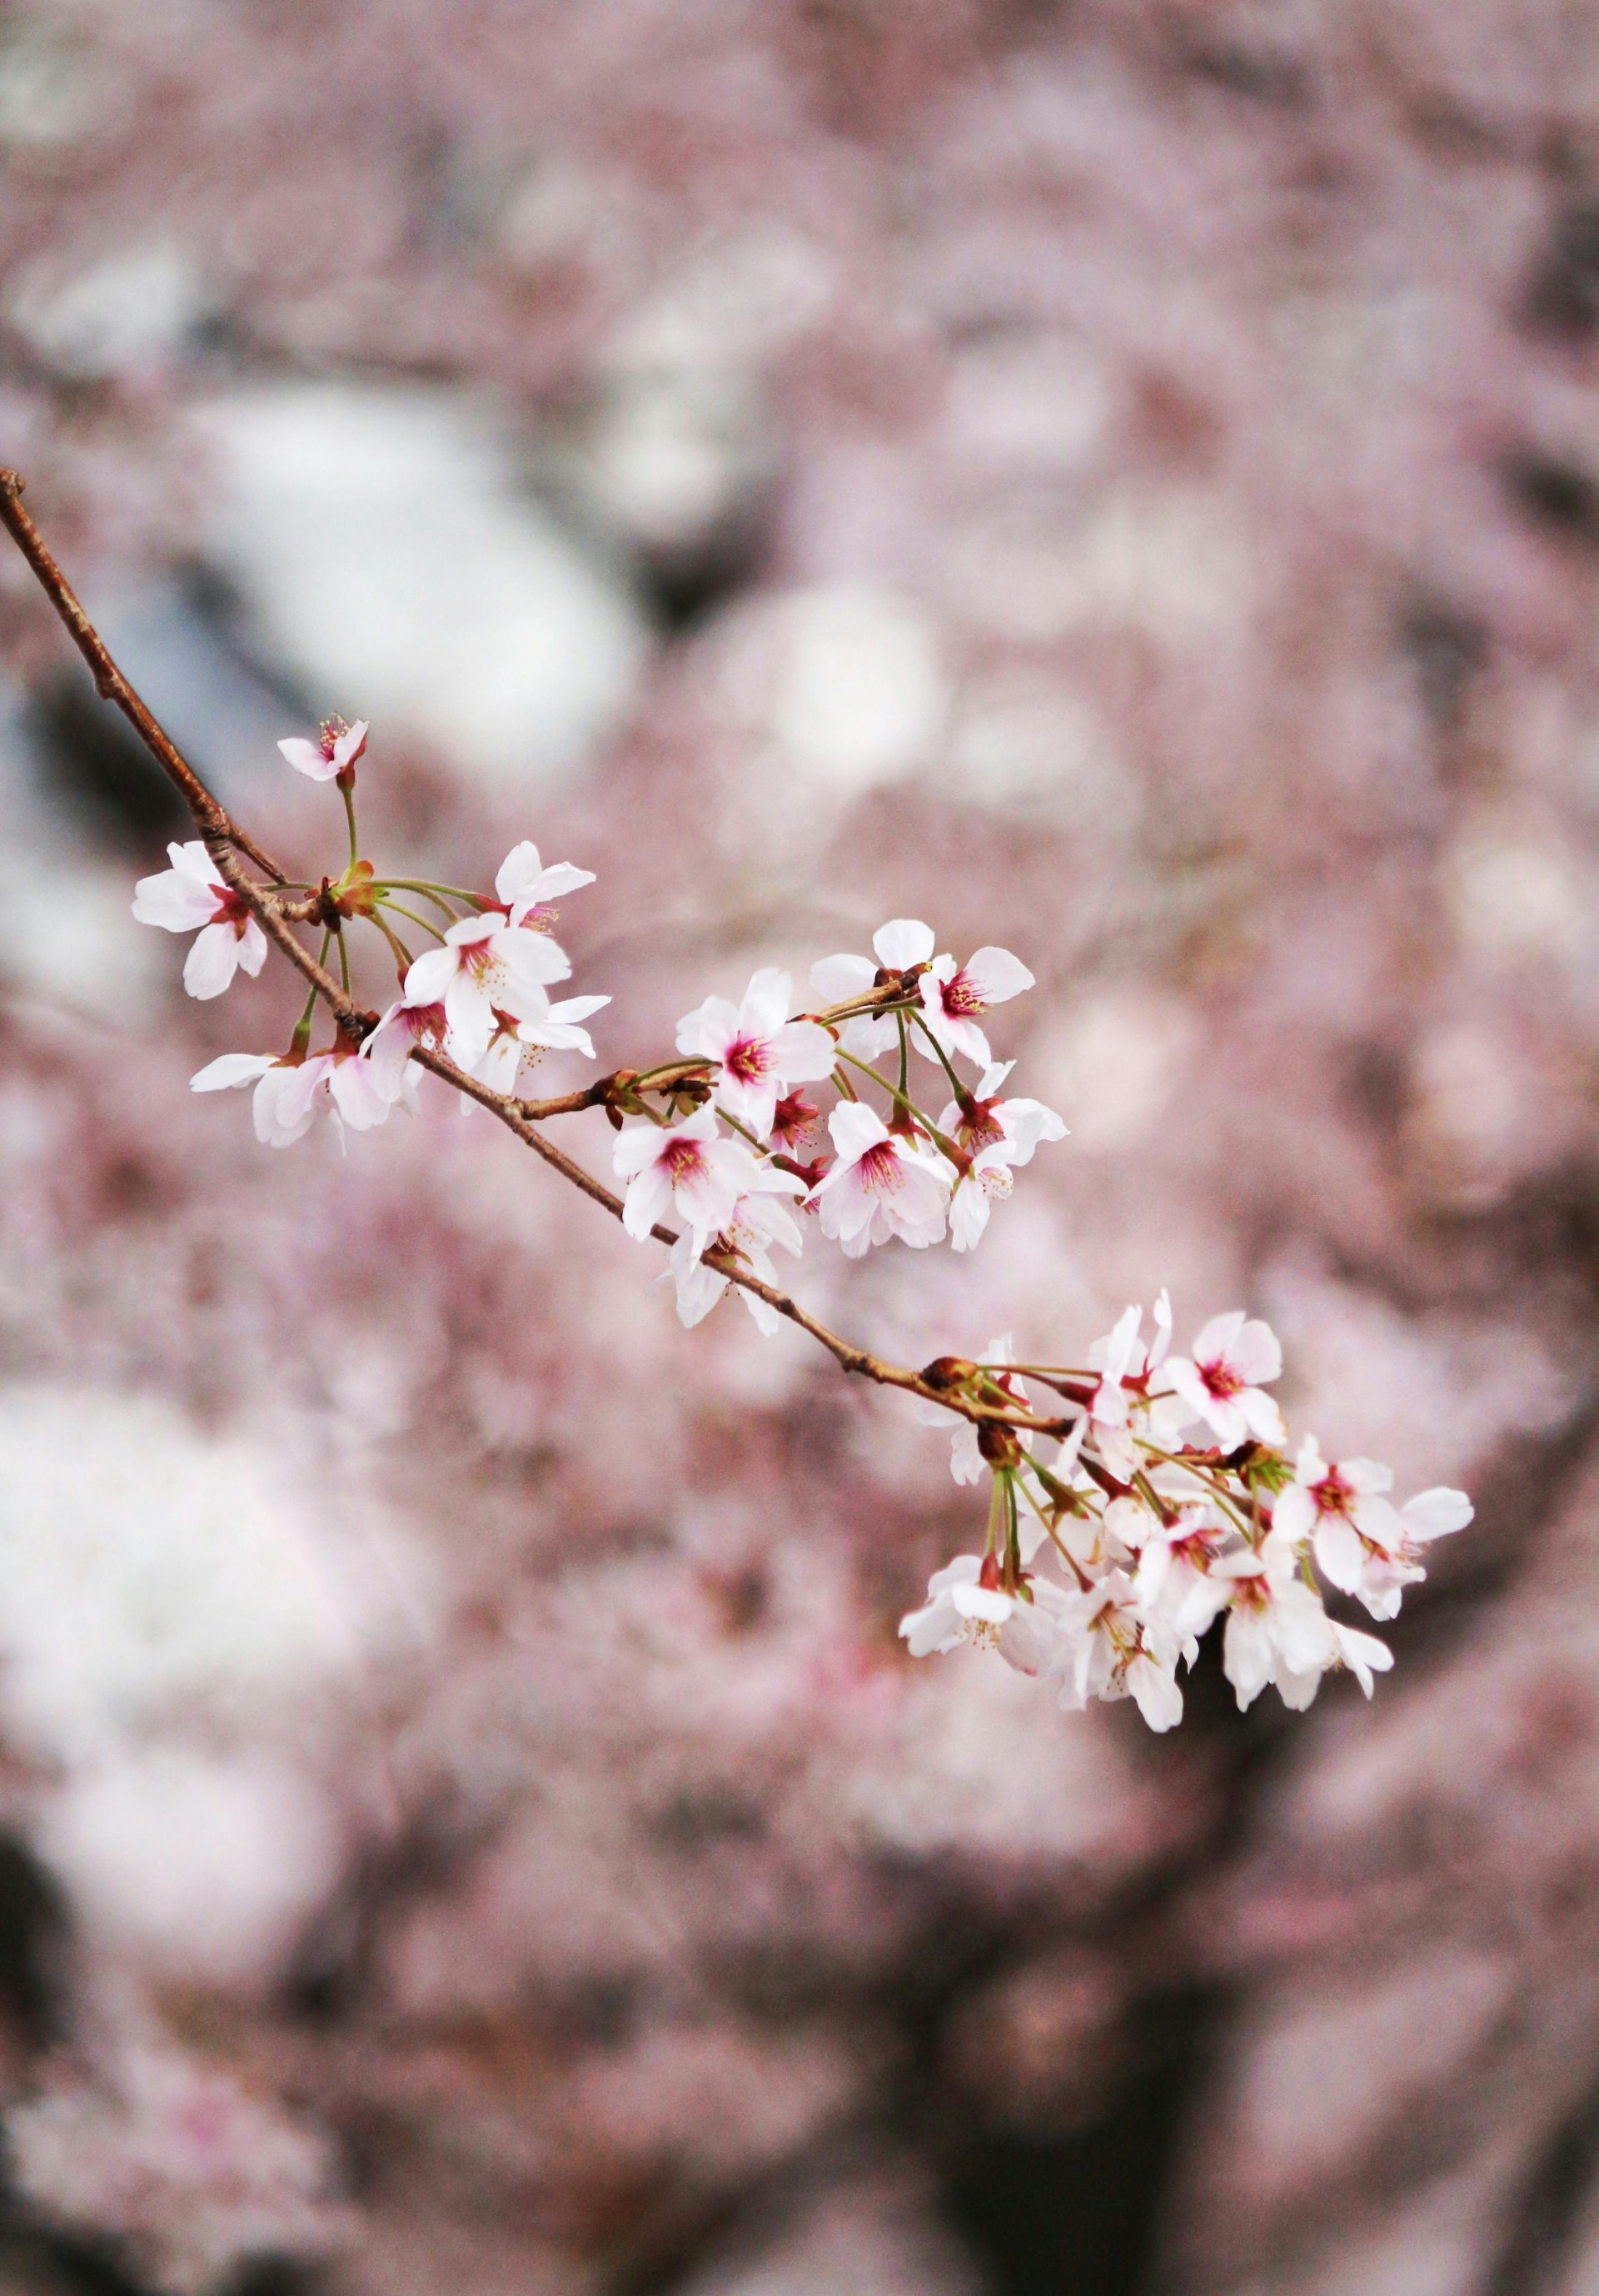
(1174, 1501)
(734, 1147)
(1172, 1498)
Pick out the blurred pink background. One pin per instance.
(1120, 481)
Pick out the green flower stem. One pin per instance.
(957, 1156)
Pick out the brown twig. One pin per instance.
(225, 840)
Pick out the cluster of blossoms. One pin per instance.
(1172, 1500)
(1169, 1497)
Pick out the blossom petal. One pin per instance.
(231, 1069)
(996, 976)
(841, 979)
(212, 960)
(307, 758)
(902, 942)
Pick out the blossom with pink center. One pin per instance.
(1364, 1545)
(1278, 1632)
(1389, 1571)
(525, 887)
(389, 1048)
(1222, 1382)
(689, 1169)
(879, 1185)
(899, 946)
(192, 896)
(760, 1052)
(485, 966)
(1021, 1124)
(336, 748)
(966, 1604)
(759, 1222)
(1101, 1652)
(290, 1094)
(956, 997)
(516, 1045)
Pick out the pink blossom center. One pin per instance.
(749, 1058)
(960, 998)
(685, 1159)
(879, 1169)
(1333, 1495)
(1220, 1379)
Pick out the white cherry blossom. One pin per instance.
(484, 966)
(192, 896)
(1101, 1653)
(1277, 1630)
(1222, 1382)
(1341, 1506)
(760, 1052)
(406, 1025)
(758, 1223)
(690, 1169)
(290, 1094)
(966, 1604)
(954, 998)
(525, 886)
(1021, 1123)
(902, 944)
(879, 1185)
(336, 747)
(515, 1047)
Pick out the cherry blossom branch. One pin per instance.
(225, 840)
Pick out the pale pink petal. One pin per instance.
(1434, 1514)
(253, 950)
(841, 979)
(356, 1094)
(1261, 1415)
(649, 1196)
(349, 745)
(804, 1053)
(705, 1033)
(1215, 1342)
(903, 942)
(231, 1069)
(307, 758)
(766, 1002)
(212, 960)
(175, 901)
(1255, 1355)
(854, 1128)
(1294, 1514)
(430, 975)
(997, 975)
(1338, 1553)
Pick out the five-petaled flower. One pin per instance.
(1223, 1382)
(690, 1169)
(484, 966)
(191, 897)
(879, 1185)
(333, 753)
(760, 1052)
(954, 998)
(516, 1045)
